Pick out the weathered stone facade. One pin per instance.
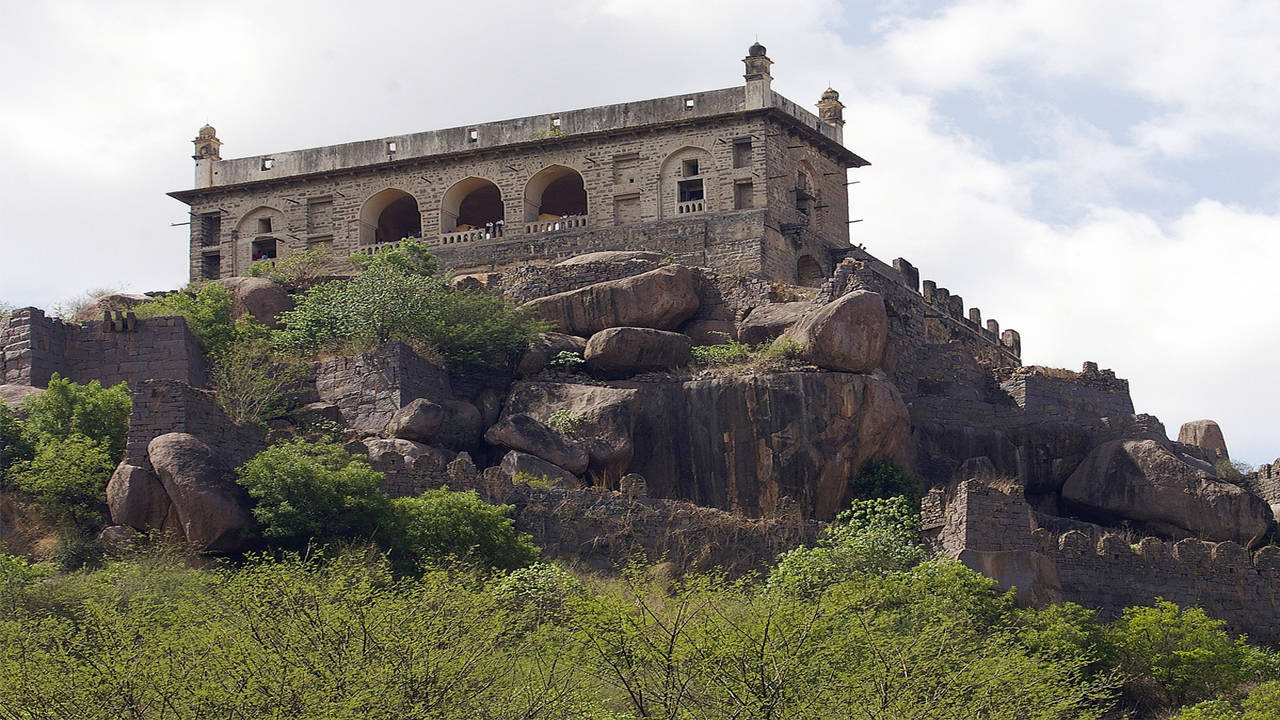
(122, 348)
(739, 180)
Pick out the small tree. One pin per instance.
(441, 524)
(67, 408)
(308, 492)
(207, 312)
(254, 382)
(69, 476)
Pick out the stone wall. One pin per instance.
(122, 349)
(994, 531)
(1265, 483)
(369, 388)
(1061, 395)
(924, 325)
(165, 406)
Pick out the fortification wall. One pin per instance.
(1265, 483)
(993, 531)
(369, 388)
(122, 348)
(165, 406)
(1062, 395)
(924, 324)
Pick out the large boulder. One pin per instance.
(1150, 484)
(614, 256)
(661, 298)
(1206, 435)
(526, 434)
(212, 510)
(766, 322)
(136, 498)
(625, 351)
(544, 348)
(259, 297)
(847, 334)
(419, 421)
(518, 463)
(13, 395)
(751, 441)
(111, 302)
(598, 420)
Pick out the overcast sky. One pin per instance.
(1098, 174)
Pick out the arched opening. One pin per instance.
(258, 237)
(554, 192)
(685, 183)
(808, 272)
(470, 204)
(804, 193)
(389, 216)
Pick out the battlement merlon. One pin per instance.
(573, 125)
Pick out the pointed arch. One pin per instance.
(258, 236)
(686, 182)
(471, 203)
(809, 272)
(389, 215)
(553, 192)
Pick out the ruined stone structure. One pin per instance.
(739, 180)
(120, 348)
(994, 531)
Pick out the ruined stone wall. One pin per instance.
(165, 406)
(1061, 395)
(1265, 483)
(993, 531)
(369, 388)
(124, 349)
(924, 325)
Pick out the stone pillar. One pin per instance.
(910, 275)
(759, 81)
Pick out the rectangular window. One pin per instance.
(211, 266)
(743, 195)
(742, 153)
(689, 168)
(625, 168)
(210, 229)
(268, 163)
(690, 190)
(319, 215)
(264, 225)
(264, 249)
(473, 135)
(688, 103)
(391, 146)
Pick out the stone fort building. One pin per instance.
(740, 180)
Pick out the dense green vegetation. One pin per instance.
(65, 449)
(399, 296)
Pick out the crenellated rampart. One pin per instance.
(994, 530)
(119, 348)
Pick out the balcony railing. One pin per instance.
(692, 206)
(567, 222)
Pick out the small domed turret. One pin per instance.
(830, 94)
(756, 50)
(207, 132)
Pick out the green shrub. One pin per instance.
(885, 479)
(567, 361)
(441, 524)
(1263, 703)
(543, 590)
(15, 444)
(784, 349)
(67, 409)
(873, 537)
(387, 302)
(727, 353)
(410, 257)
(1209, 710)
(307, 492)
(1186, 652)
(298, 270)
(69, 476)
(254, 382)
(207, 312)
(568, 424)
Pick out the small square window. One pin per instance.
(689, 168)
(264, 225)
(555, 122)
(391, 146)
(688, 103)
(267, 163)
(473, 135)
